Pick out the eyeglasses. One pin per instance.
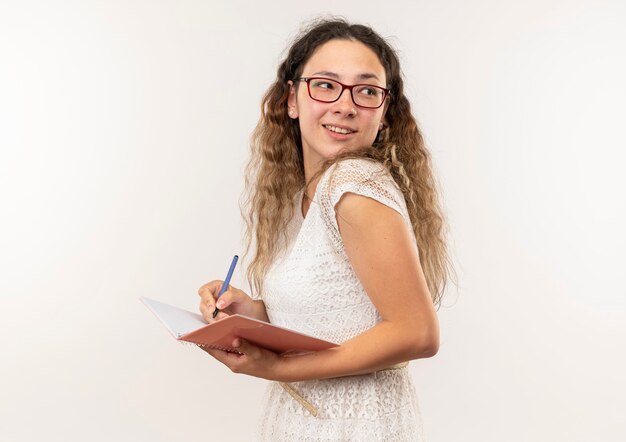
(328, 91)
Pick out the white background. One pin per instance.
(124, 128)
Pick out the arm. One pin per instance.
(260, 311)
(382, 252)
(384, 257)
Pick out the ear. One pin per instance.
(292, 103)
(383, 120)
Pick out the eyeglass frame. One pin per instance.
(386, 92)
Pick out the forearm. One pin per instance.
(380, 347)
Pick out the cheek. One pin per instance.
(310, 115)
(315, 110)
(372, 128)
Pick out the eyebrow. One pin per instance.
(363, 76)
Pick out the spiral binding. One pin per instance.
(217, 347)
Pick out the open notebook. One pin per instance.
(191, 327)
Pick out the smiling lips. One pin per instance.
(339, 130)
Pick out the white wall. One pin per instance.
(123, 132)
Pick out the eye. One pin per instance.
(323, 84)
(369, 91)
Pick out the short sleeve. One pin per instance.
(362, 177)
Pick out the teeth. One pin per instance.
(339, 130)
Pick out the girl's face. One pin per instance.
(324, 125)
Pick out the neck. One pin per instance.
(310, 169)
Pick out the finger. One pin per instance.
(210, 289)
(231, 295)
(220, 355)
(229, 359)
(212, 351)
(206, 309)
(246, 348)
(220, 315)
(208, 292)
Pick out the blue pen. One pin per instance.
(226, 282)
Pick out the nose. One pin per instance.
(344, 103)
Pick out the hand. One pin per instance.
(255, 361)
(231, 302)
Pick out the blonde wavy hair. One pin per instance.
(275, 171)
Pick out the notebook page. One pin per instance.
(178, 321)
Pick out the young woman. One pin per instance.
(348, 243)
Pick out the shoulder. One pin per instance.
(361, 193)
(358, 169)
(363, 177)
